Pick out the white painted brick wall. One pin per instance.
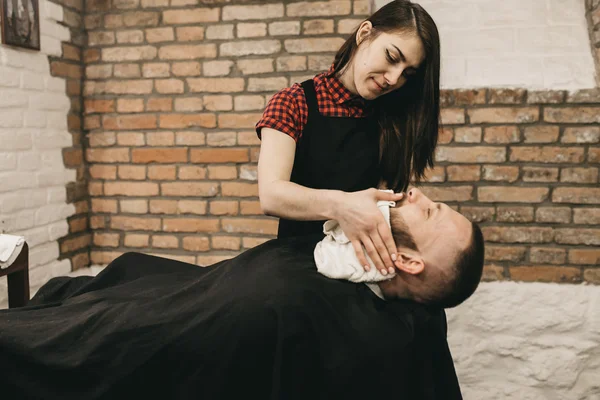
(536, 44)
(33, 131)
(528, 341)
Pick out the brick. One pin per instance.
(249, 172)
(505, 253)
(255, 66)
(254, 154)
(267, 84)
(574, 115)
(547, 154)
(207, 261)
(187, 52)
(581, 134)
(545, 274)
(140, 18)
(348, 26)
(248, 138)
(579, 175)
(591, 275)
(452, 116)
(250, 207)
(161, 172)
(190, 33)
(188, 104)
(320, 8)
(218, 102)
(191, 173)
(160, 35)
(576, 195)
(103, 257)
(190, 225)
(97, 222)
(98, 71)
(222, 172)
(99, 106)
(99, 171)
(590, 237)
(104, 206)
(123, 223)
(239, 189)
(220, 139)
(130, 139)
(112, 21)
(190, 16)
(249, 103)
(448, 193)
(100, 38)
(584, 95)
(129, 122)
(512, 194)
(179, 121)
(498, 173)
(250, 47)
(248, 30)
(499, 115)
(492, 273)
(517, 234)
(312, 45)
(71, 52)
(159, 104)
(546, 96)
(156, 3)
(473, 154)
(291, 63)
(195, 243)
(190, 138)
(217, 68)
(438, 174)
(506, 96)
(65, 70)
(75, 243)
(287, 28)
(467, 135)
(169, 86)
(156, 70)
(184, 189)
(514, 214)
(134, 206)
(133, 172)
(478, 214)
(163, 206)
(267, 11)
(540, 174)
(445, 135)
(107, 156)
(463, 173)
(129, 87)
(186, 68)
(226, 242)
(130, 53)
(586, 216)
(468, 97)
(545, 255)
(249, 225)
(132, 36)
(238, 121)
(130, 188)
(584, 256)
(81, 260)
(130, 105)
(594, 155)
(165, 241)
(72, 158)
(553, 215)
(219, 32)
(215, 85)
(541, 134)
(224, 208)
(362, 7)
(159, 155)
(93, 21)
(317, 27)
(196, 207)
(127, 71)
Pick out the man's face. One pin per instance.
(438, 231)
(385, 63)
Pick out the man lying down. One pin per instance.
(263, 325)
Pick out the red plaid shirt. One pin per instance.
(287, 110)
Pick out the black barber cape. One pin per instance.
(263, 325)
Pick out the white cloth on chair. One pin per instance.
(10, 248)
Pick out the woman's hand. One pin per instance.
(364, 225)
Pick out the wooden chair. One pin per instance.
(17, 275)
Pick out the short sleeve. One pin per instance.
(286, 112)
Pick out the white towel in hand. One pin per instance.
(10, 248)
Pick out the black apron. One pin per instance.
(337, 153)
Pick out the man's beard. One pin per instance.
(400, 232)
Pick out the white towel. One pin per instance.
(335, 256)
(10, 248)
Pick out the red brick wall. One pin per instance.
(172, 93)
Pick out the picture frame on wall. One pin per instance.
(20, 23)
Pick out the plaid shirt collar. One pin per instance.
(339, 92)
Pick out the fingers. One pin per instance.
(360, 254)
(388, 239)
(385, 196)
(372, 250)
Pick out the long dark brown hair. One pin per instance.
(408, 117)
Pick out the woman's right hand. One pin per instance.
(364, 225)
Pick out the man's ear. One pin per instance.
(410, 263)
(363, 31)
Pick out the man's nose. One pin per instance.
(415, 195)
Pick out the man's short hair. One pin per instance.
(460, 283)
